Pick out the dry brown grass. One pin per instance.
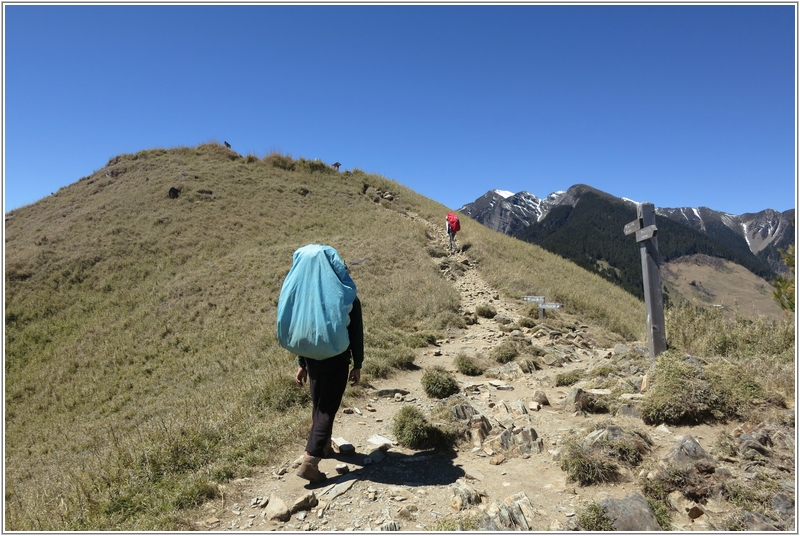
(141, 361)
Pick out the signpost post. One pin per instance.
(543, 306)
(645, 229)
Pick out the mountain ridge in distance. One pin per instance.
(585, 225)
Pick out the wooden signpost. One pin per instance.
(645, 229)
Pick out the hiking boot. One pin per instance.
(310, 471)
(328, 451)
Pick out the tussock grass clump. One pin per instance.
(755, 495)
(527, 322)
(437, 251)
(505, 352)
(439, 383)
(586, 466)
(421, 340)
(280, 161)
(725, 445)
(602, 370)
(686, 391)
(462, 523)
(468, 365)
(412, 429)
(485, 311)
(568, 378)
(281, 394)
(762, 348)
(593, 518)
(595, 459)
(662, 512)
(451, 319)
(382, 362)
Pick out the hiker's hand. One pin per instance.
(301, 376)
(355, 376)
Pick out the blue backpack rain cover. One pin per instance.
(315, 303)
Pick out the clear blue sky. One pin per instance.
(681, 105)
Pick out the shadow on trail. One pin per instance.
(425, 468)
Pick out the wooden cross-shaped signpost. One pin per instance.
(645, 229)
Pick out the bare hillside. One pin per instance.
(716, 282)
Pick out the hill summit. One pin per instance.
(140, 319)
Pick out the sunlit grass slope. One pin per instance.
(141, 365)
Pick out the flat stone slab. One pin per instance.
(391, 392)
(342, 446)
(380, 441)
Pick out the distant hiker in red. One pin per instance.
(453, 226)
(319, 320)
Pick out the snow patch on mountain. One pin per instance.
(505, 193)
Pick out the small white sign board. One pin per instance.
(550, 305)
(537, 299)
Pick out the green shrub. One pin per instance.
(662, 513)
(412, 430)
(439, 383)
(486, 311)
(467, 365)
(505, 352)
(593, 518)
(527, 322)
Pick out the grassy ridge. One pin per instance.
(141, 362)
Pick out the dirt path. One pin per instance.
(401, 489)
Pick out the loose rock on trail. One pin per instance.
(507, 474)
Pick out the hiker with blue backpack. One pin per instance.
(319, 320)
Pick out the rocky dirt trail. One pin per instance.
(508, 475)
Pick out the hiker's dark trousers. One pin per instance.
(328, 380)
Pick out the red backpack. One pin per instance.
(452, 220)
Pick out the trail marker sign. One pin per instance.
(644, 227)
(543, 306)
(537, 299)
